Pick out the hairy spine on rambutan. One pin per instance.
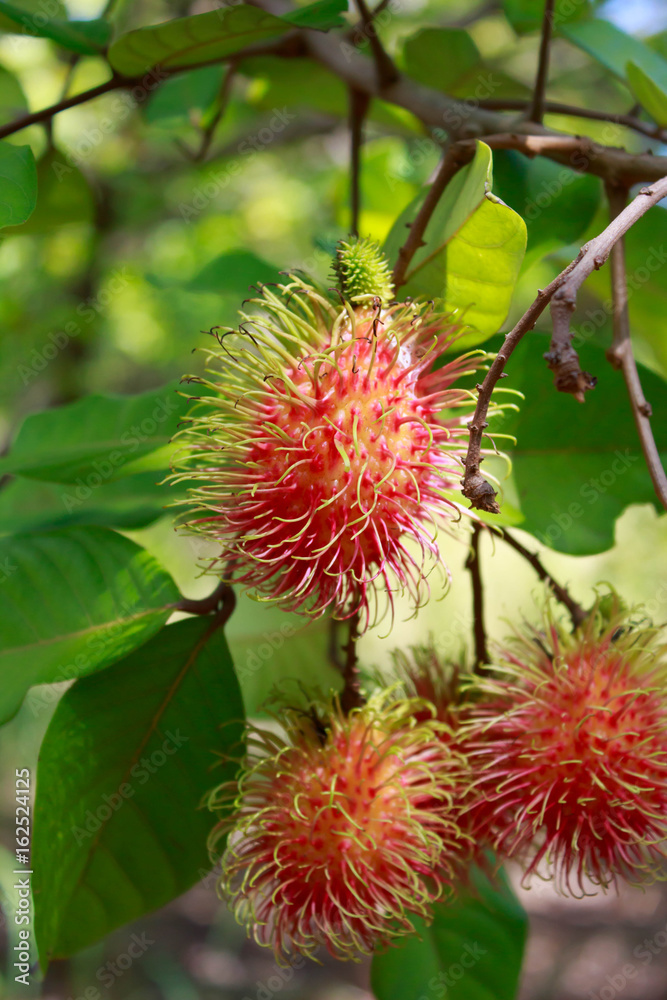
(340, 832)
(322, 458)
(569, 745)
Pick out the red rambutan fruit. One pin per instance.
(322, 452)
(569, 749)
(339, 831)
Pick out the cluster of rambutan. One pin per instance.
(323, 459)
(342, 827)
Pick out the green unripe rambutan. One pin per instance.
(362, 270)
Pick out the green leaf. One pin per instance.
(233, 272)
(74, 601)
(132, 502)
(185, 97)
(527, 15)
(124, 766)
(576, 467)
(322, 15)
(271, 648)
(85, 37)
(35, 8)
(474, 249)
(651, 97)
(556, 203)
(18, 184)
(441, 57)
(98, 438)
(472, 951)
(64, 196)
(614, 49)
(190, 41)
(13, 101)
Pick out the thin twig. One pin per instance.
(221, 600)
(473, 564)
(562, 290)
(386, 70)
(557, 108)
(577, 613)
(621, 356)
(537, 106)
(456, 157)
(562, 357)
(359, 102)
(223, 100)
(351, 694)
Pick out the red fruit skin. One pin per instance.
(335, 844)
(339, 461)
(570, 749)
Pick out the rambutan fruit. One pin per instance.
(322, 457)
(569, 749)
(340, 830)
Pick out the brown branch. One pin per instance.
(577, 613)
(621, 356)
(475, 487)
(537, 106)
(456, 157)
(351, 694)
(473, 564)
(386, 70)
(562, 357)
(561, 292)
(359, 102)
(221, 601)
(557, 108)
(463, 119)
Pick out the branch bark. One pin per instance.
(561, 292)
(577, 613)
(537, 107)
(351, 695)
(479, 631)
(621, 356)
(562, 357)
(558, 108)
(359, 102)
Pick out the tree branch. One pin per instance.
(221, 601)
(621, 356)
(386, 70)
(463, 119)
(473, 564)
(557, 108)
(351, 695)
(577, 613)
(537, 106)
(456, 157)
(562, 357)
(359, 102)
(562, 290)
